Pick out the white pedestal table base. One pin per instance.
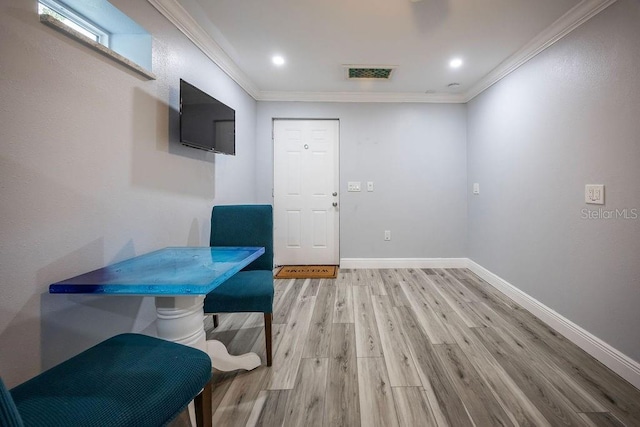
(181, 320)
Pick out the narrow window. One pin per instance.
(73, 20)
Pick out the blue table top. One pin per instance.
(168, 271)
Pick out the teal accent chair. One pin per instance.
(128, 380)
(250, 290)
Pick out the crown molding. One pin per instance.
(571, 20)
(361, 97)
(568, 22)
(178, 16)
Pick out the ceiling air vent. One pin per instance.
(369, 72)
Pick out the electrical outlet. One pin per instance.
(594, 194)
(476, 188)
(353, 186)
(387, 235)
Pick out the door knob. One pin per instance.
(335, 194)
(335, 204)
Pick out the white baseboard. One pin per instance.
(618, 362)
(358, 263)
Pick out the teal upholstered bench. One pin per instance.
(127, 380)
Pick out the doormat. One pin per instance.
(307, 272)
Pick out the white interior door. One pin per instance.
(306, 209)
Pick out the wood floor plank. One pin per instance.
(367, 337)
(430, 322)
(412, 407)
(454, 285)
(245, 340)
(400, 366)
(254, 320)
(269, 409)
(280, 287)
(240, 341)
(259, 346)
(375, 394)
(342, 408)
(469, 277)
(533, 374)
(486, 316)
(220, 381)
(517, 405)
(305, 407)
(358, 277)
(545, 367)
(311, 287)
(282, 310)
(288, 354)
(344, 275)
(277, 335)
(229, 322)
(256, 410)
(422, 287)
(616, 395)
(455, 301)
(484, 292)
(237, 404)
(600, 419)
(319, 336)
(370, 277)
(478, 399)
(343, 306)
(546, 398)
(391, 279)
(608, 389)
(569, 388)
(443, 398)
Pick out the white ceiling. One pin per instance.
(317, 38)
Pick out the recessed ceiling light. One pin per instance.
(278, 60)
(455, 63)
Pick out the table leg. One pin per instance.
(181, 320)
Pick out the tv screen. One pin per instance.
(205, 122)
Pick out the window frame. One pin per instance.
(101, 35)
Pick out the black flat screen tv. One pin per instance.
(205, 122)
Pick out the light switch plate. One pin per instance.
(370, 186)
(476, 188)
(594, 194)
(353, 186)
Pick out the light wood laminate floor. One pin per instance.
(411, 347)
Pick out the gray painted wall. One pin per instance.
(91, 174)
(567, 118)
(416, 156)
